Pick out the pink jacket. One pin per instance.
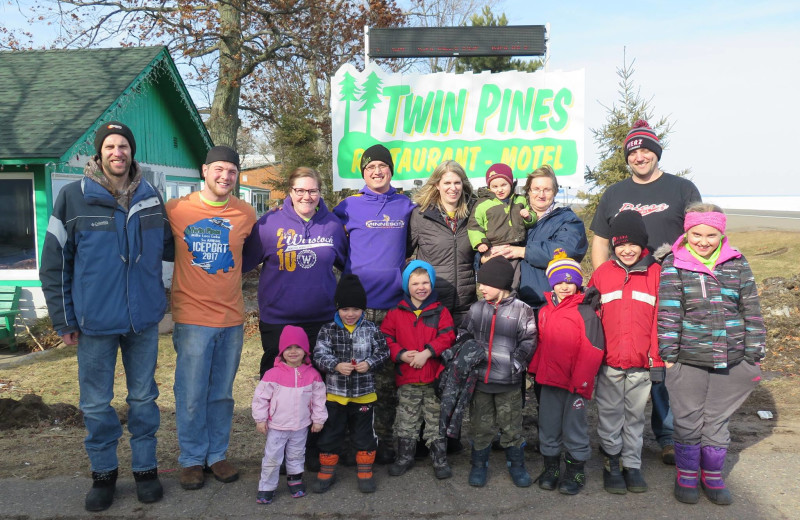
(290, 398)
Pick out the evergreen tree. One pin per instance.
(493, 63)
(610, 138)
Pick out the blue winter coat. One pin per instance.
(560, 229)
(101, 265)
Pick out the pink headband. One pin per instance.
(714, 219)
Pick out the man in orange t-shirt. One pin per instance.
(209, 227)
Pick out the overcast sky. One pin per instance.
(727, 74)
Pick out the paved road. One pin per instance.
(761, 483)
(753, 220)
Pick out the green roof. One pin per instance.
(50, 98)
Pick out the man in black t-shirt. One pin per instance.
(661, 198)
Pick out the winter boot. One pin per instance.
(479, 473)
(687, 465)
(548, 478)
(574, 477)
(366, 481)
(515, 460)
(441, 469)
(712, 460)
(405, 457)
(297, 488)
(148, 487)
(385, 453)
(634, 480)
(613, 481)
(101, 495)
(327, 472)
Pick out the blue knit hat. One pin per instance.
(412, 266)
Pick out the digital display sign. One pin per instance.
(424, 42)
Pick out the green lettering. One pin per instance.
(453, 111)
(541, 110)
(395, 94)
(417, 114)
(487, 106)
(562, 100)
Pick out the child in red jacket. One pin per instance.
(628, 285)
(565, 363)
(417, 331)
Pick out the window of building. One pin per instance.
(17, 227)
(179, 189)
(260, 201)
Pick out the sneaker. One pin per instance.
(265, 497)
(192, 477)
(668, 454)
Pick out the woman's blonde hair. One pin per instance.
(428, 195)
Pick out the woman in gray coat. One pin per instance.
(439, 235)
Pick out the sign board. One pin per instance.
(423, 42)
(519, 118)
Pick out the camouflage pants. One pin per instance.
(384, 387)
(490, 412)
(415, 403)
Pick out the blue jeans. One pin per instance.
(208, 358)
(661, 418)
(97, 360)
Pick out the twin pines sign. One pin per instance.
(522, 119)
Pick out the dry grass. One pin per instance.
(54, 450)
(770, 253)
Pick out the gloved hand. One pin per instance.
(657, 374)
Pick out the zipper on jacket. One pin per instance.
(703, 285)
(491, 340)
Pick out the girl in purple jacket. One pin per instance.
(289, 398)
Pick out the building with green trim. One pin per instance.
(51, 104)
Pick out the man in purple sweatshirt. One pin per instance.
(376, 219)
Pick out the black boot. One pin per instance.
(613, 481)
(479, 473)
(515, 459)
(148, 487)
(441, 469)
(634, 480)
(405, 457)
(574, 477)
(385, 452)
(101, 495)
(548, 478)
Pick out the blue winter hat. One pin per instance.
(414, 265)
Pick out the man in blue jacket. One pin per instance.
(101, 277)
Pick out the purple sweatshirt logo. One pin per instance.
(386, 223)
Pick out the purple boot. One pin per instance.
(687, 464)
(712, 462)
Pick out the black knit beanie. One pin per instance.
(350, 293)
(628, 226)
(376, 152)
(498, 273)
(114, 127)
(223, 153)
(642, 136)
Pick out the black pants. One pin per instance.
(355, 416)
(271, 336)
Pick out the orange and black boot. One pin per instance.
(366, 481)
(327, 472)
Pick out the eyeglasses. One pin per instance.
(374, 167)
(300, 192)
(545, 191)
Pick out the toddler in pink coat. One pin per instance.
(289, 398)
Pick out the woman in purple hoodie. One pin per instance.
(298, 244)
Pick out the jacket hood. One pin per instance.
(293, 335)
(684, 259)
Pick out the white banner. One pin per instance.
(518, 118)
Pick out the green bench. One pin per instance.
(9, 308)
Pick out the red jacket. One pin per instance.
(432, 329)
(629, 306)
(571, 343)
